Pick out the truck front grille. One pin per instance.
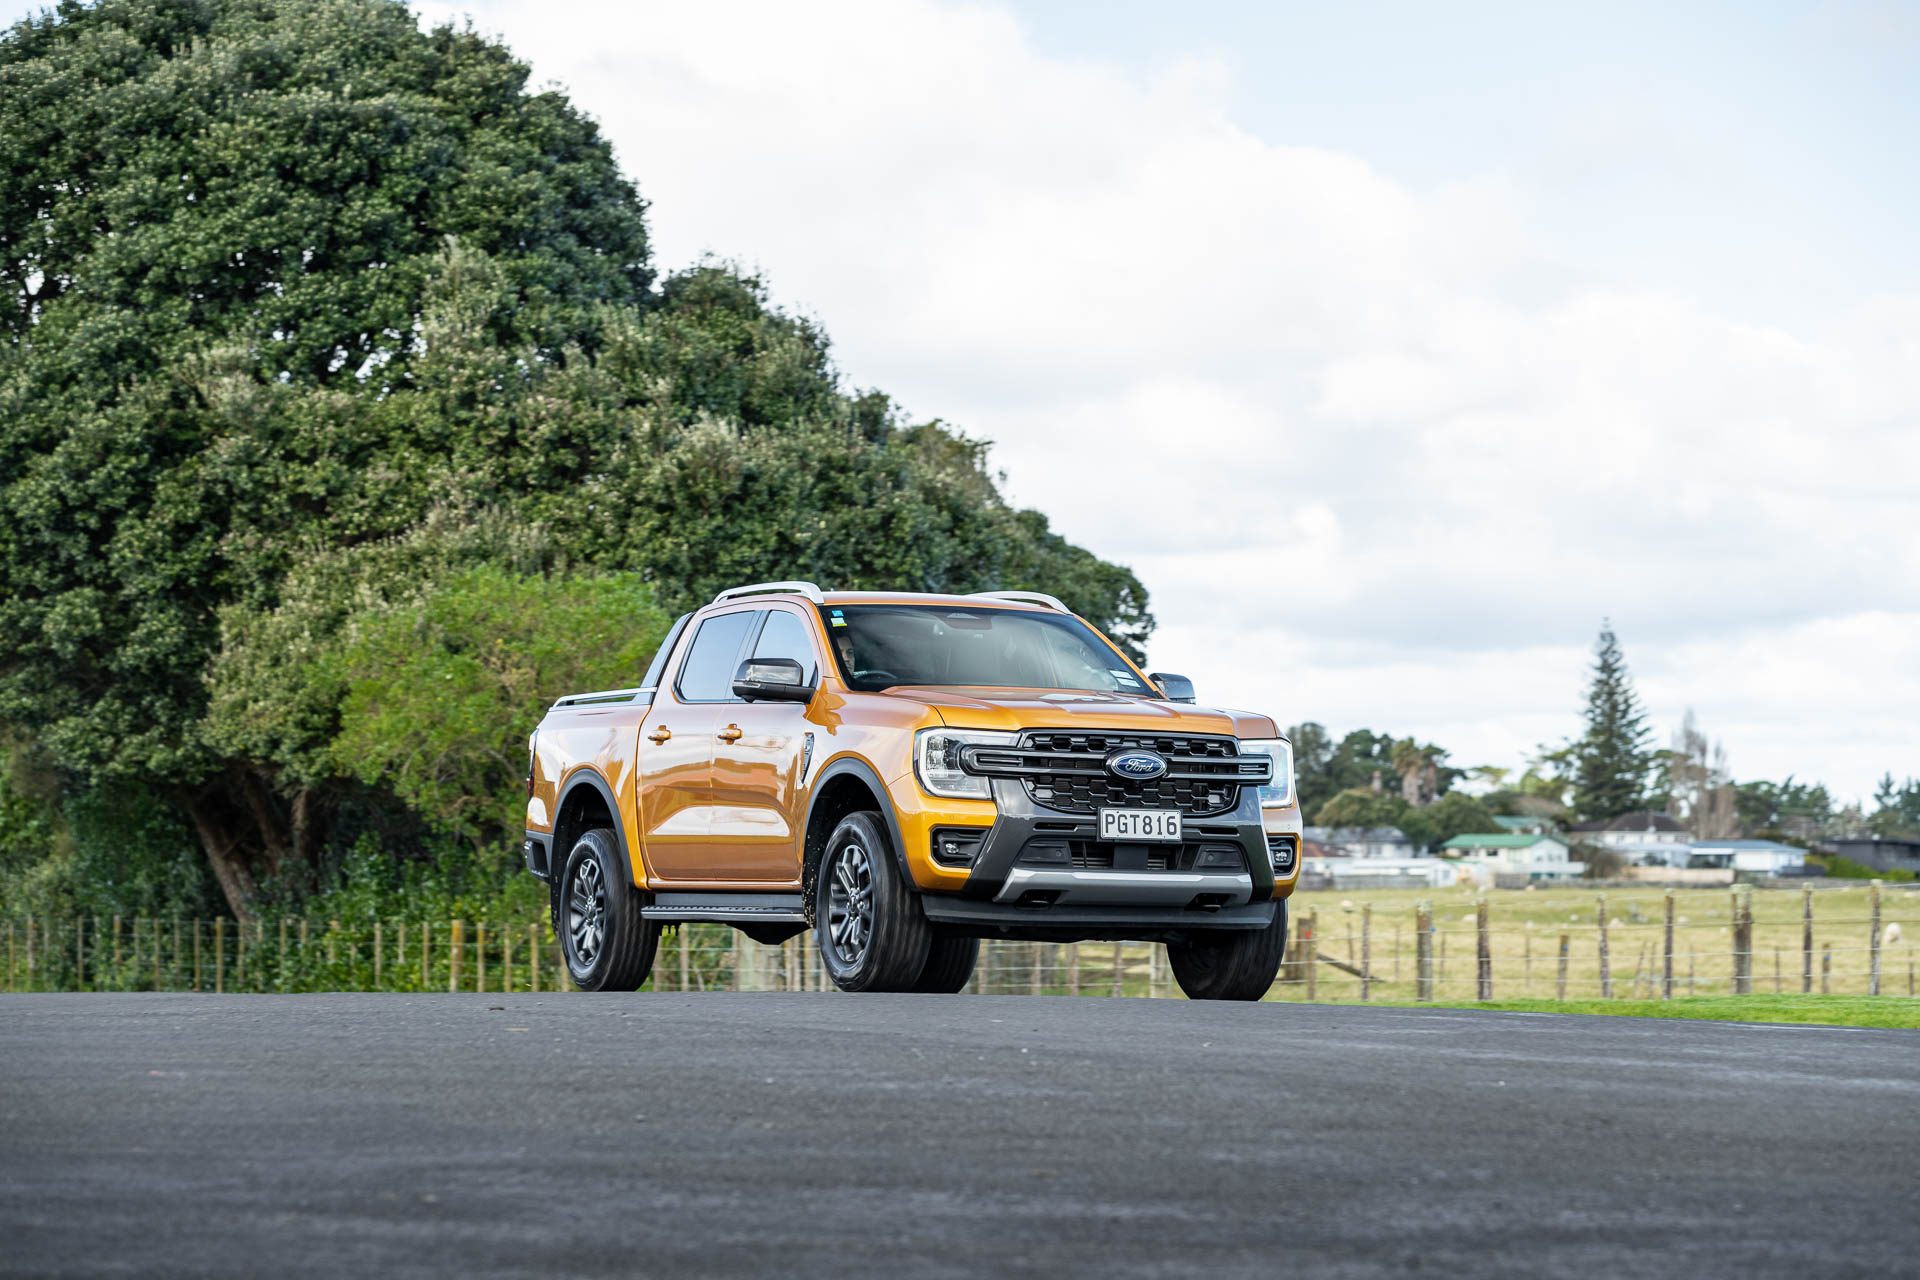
(1067, 772)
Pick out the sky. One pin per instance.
(1394, 346)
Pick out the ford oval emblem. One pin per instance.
(1137, 766)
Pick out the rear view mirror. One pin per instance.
(1172, 687)
(771, 680)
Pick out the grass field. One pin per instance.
(1526, 927)
(1834, 1011)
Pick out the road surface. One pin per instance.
(776, 1134)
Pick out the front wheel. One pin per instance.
(1237, 965)
(607, 944)
(950, 962)
(871, 932)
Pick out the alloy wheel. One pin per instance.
(850, 903)
(587, 911)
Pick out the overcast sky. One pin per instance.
(1393, 348)
(1393, 345)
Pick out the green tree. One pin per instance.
(1790, 808)
(296, 292)
(1613, 761)
(441, 695)
(1896, 812)
(1362, 807)
(1453, 814)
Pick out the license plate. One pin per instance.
(1140, 824)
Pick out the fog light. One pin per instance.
(957, 846)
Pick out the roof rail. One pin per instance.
(1022, 597)
(811, 590)
(605, 695)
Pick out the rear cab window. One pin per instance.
(707, 673)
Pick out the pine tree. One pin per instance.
(1614, 758)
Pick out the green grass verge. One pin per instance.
(1835, 1011)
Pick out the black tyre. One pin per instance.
(607, 945)
(1237, 965)
(950, 962)
(867, 921)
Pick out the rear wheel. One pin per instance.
(871, 932)
(607, 945)
(1236, 965)
(950, 962)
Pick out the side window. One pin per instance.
(785, 636)
(707, 674)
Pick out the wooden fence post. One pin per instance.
(333, 946)
(30, 952)
(1666, 952)
(219, 955)
(283, 950)
(426, 955)
(153, 930)
(506, 960)
(1606, 961)
(480, 956)
(1826, 968)
(1117, 990)
(196, 955)
(1560, 979)
(1483, 951)
(1422, 950)
(1311, 954)
(456, 946)
(1743, 940)
(1366, 951)
(533, 955)
(1073, 968)
(379, 957)
(1806, 940)
(1873, 940)
(116, 945)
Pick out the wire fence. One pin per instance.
(1575, 947)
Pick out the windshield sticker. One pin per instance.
(838, 619)
(1122, 676)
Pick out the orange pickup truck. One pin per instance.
(907, 774)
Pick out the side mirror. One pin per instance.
(771, 680)
(1172, 687)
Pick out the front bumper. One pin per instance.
(1039, 872)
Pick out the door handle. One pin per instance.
(660, 734)
(731, 733)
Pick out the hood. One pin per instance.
(971, 707)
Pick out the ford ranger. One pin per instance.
(905, 775)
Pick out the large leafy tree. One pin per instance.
(292, 287)
(1613, 761)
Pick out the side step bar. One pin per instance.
(750, 908)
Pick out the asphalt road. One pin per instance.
(942, 1135)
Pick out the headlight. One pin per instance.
(1277, 794)
(936, 762)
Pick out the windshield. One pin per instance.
(879, 646)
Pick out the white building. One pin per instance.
(1755, 857)
(1490, 857)
(1365, 842)
(1379, 873)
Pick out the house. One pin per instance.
(1364, 842)
(1519, 825)
(1754, 857)
(1378, 873)
(1509, 854)
(1643, 838)
(1876, 852)
(1630, 830)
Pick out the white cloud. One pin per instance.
(1380, 459)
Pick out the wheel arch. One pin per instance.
(846, 785)
(586, 801)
